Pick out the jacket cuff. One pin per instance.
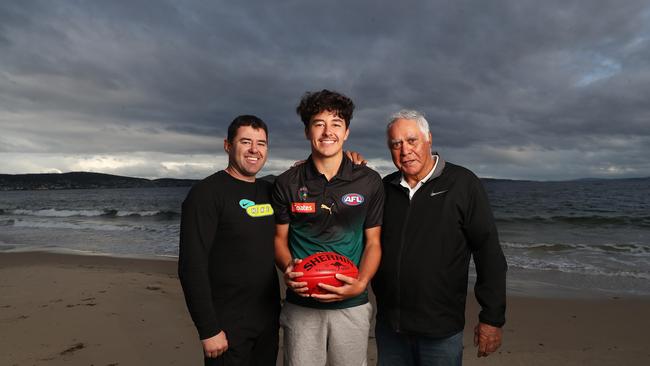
(493, 321)
(208, 331)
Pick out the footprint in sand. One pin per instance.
(72, 349)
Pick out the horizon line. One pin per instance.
(266, 175)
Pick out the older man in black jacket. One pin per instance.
(436, 216)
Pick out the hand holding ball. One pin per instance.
(322, 267)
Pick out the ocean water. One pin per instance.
(575, 236)
(130, 221)
(567, 238)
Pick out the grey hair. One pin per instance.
(412, 115)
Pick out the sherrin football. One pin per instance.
(321, 267)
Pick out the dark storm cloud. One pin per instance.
(501, 82)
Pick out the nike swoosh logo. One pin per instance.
(437, 193)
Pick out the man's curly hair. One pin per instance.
(313, 103)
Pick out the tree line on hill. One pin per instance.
(83, 180)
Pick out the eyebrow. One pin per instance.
(409, 137)
(335, 119)
(251, 140)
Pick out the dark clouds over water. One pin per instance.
(512, 89)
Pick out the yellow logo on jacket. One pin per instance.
(253, 210)
(264, 209)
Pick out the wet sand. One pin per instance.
(64, 309)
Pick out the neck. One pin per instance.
(328, 166)
(238, 175)
(412, 180)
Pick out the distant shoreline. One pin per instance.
(90, 180)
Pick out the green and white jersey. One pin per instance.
(328, 215)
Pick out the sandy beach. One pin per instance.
(63, 309)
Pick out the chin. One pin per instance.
(327, 155)
(327, 152)
(252, 172)
(411, 171)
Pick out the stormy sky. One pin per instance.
(519, 89)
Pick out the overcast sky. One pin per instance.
(548, 90)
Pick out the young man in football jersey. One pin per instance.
(327, 204)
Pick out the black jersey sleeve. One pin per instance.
(375, 212)
(199, 219)
(280, 201)
(491, 267)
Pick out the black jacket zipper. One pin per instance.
(399, 259)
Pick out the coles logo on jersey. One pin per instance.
(303, 207)
(352, 199)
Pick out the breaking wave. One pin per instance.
(51, 212)
(74, 225)
(600, 248)
(611, 260)
(588, 220)
(572, 266)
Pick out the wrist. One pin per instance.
(287, 264)
(362, 282)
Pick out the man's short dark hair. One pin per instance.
(313, 103)
(246, 120)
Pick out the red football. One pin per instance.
(321, 267)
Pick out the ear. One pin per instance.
(430, 137)
(347, 133)
(226, 146)
(307, 131)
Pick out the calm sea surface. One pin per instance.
(559, 237)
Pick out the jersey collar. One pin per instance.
(344, 173)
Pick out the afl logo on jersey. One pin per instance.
(352, 199)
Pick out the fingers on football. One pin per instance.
(327, 297)
(292, 275)
(345, 279)
(331, 289)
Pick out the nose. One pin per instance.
(253, 148)
(404, 149)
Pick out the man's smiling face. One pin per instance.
(247, 152)
(327, 132)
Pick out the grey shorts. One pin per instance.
(314, 337)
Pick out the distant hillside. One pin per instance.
(83, 180)
(580, 180)
(501, 180)
(86, 180)
(608, 179)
